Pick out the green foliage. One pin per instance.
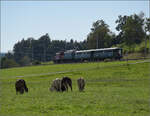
(131, 29)
(100, 36)
(44, 48)
(107, 60)
(136, 48)
(8, 63)
(147, 27)
(36, 62)
(25, 61)
(112, 89)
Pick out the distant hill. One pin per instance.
(2, 55)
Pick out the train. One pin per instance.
(88, 55)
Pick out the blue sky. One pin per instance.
(60, 19)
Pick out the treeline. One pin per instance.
(132, 29)
(33, 52)
(43, 49)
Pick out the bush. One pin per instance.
(107, 60)
(8, 63)
(25, 61)
(36, 62)
(142, 49)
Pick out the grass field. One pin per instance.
(112, 89)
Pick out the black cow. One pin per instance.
(65, 82)
(20, 86)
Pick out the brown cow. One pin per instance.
(20, 86)
(81, 83)
(56, 85)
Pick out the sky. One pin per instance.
(62, 20)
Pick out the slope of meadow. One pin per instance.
(112, 89)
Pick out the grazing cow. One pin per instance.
(20, 86)
(56, 85)
(65, 82)
(61, 84)
(81, 83)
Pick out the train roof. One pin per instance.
(98, 49)
(102, 49)
(68, 51)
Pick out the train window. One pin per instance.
(99, 51)
(108, 51)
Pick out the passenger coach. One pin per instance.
(88, 55)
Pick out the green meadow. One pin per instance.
(112, 89)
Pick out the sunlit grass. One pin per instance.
(110, 91)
